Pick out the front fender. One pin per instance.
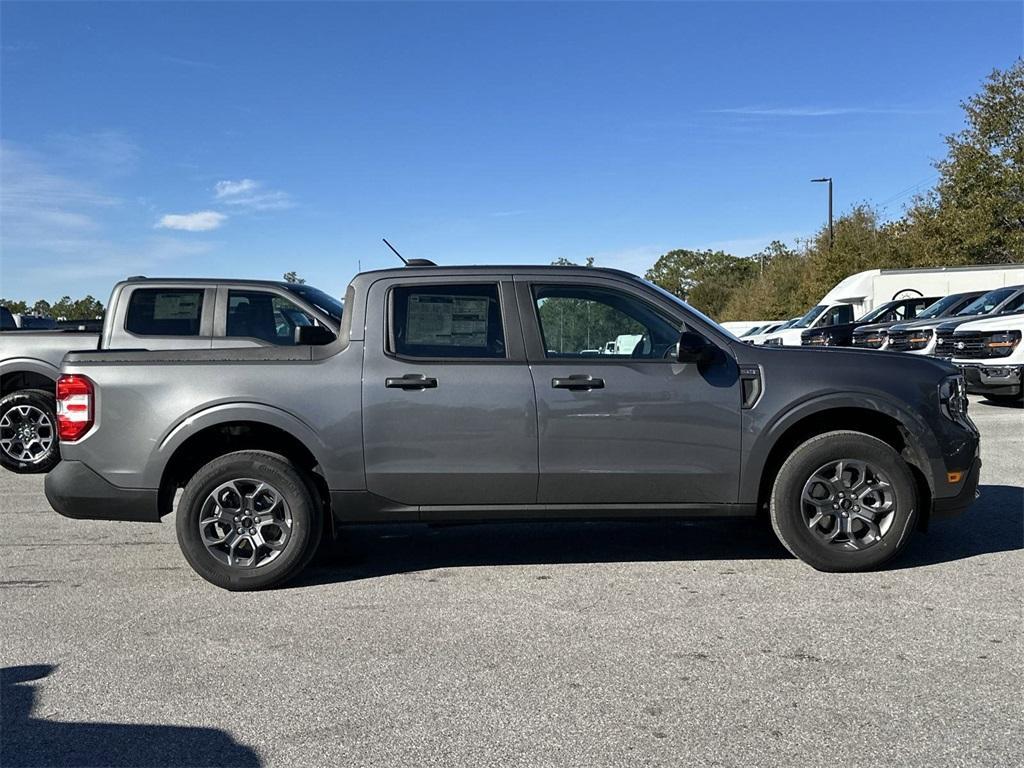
(761, 438)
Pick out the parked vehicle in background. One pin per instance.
(991, 356)
(885, 315)
(34, 322)
(920, 337)
(877, 336)
(998, 302)
(757, 338)
(465, 393)
(142, 314)
(742, 327)
(7, 320)
(857, 294)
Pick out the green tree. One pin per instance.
(67, 308)
(16, 307)
(706, 279)
(979, 198)
(293, 277)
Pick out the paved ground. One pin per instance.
(589, 644)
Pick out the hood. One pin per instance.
(949, 323)
(1009, 322)
(837, 358)
(873, 327)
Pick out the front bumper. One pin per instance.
(985, 379)
(74, 490)
(951, 506)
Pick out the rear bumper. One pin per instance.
(74, 490)
(991, 379)
(951, 506)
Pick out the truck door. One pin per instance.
(633, 426)
(449, 415)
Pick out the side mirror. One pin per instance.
(694, 348)
(312, 335)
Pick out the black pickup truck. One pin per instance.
(899, 311)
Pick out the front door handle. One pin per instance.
(411, 381)
(578, 381)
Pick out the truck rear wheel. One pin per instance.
(844, 501)
(28, 431)
(248, 520)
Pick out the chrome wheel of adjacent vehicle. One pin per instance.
(27, 434)
(848, 504)
(245, 523)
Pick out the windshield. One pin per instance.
(877, 312)
(327, 304)
(676, 300)
(938, 308)
(986, 302)
(810, 317)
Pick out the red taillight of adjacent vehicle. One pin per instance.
(74, 407)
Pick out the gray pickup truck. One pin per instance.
(483, 393)
(147, 314)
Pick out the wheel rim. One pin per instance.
(848, 504)
(245, 523)
(26, 433)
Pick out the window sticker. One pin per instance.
(457, 321)
(176, 306)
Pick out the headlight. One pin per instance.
(1002, 344)
(953, 398)
(873, 340)
(772, 343)
(919, 339)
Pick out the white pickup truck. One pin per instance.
(991, 355)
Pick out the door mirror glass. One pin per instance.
(694, 348)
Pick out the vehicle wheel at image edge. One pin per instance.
(248, 520)
(844, 501)
(28, 431)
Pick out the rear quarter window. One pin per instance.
(164, 312)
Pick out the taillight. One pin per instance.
(74, 407)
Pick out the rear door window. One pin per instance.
(264, 316)
(164, 312)
(447, 322)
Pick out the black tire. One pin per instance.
(37, 401)
(787, 510)
(297, 492)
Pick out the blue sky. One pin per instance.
(246, 140)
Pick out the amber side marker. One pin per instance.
(954, 477)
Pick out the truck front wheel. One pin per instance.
(844, 501)
(28, 431)
(248, 520)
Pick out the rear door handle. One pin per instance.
(578, 381)
(411, 381)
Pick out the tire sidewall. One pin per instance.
(46, 402)
(258, 465)
(787, 516)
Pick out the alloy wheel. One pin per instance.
(245, 523)
(848, 504)
(26, 433)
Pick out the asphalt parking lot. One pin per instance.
(586, 644)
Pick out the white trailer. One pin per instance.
(859, 293)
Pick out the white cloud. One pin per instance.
(233, 188)
(248, 193)
(200, 221)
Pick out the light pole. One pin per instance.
(831, 232)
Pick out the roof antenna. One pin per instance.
(395, 250)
